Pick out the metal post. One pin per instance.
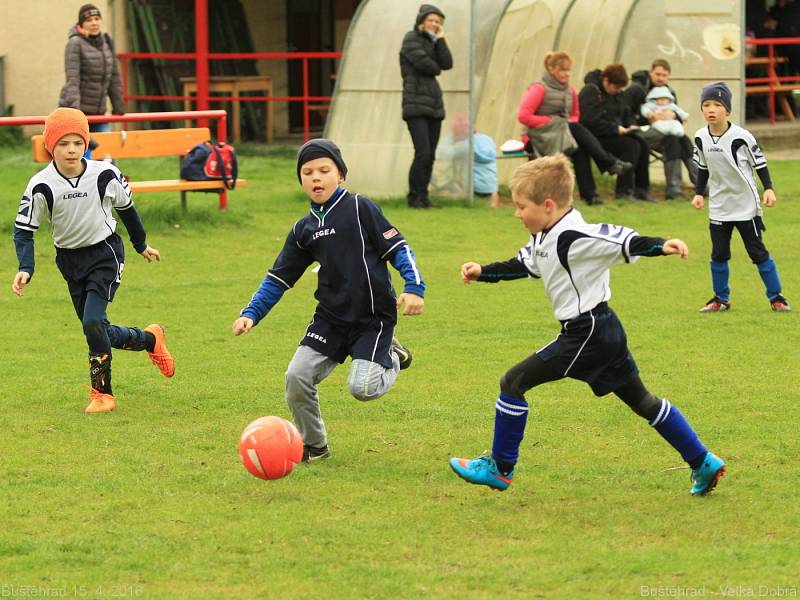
(201, 48)
(471, 109)
(306, 125)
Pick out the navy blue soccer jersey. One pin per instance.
(352, 241)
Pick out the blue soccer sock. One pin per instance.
(510, 417)
(720, 274)
(674, 428)
(769, 275)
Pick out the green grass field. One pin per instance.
(151, 501)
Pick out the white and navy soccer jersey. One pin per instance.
(573, 259)
(78, 209)
(352, 240)
(727, 163)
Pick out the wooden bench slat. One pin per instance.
(179, 185)
(136, 144)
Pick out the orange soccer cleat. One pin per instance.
(100, 402)
(160, 356)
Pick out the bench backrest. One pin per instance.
(136, 144)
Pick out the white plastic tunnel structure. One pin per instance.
(498, 49)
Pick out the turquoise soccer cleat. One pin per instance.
(705, 478)
(481, 471)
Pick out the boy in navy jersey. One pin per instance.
(76, 195)
(356, 313)
(573, 259)
(726, 156)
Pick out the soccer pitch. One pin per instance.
(152, 501)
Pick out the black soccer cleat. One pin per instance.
(312, 453)
(403, 353)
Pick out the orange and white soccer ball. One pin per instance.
(270, 447)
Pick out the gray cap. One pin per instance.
(718, 91)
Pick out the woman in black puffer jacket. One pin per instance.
(92, 69)
(423, 56)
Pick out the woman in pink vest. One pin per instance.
(549, 111)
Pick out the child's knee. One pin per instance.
(93, 328)
(364, 390)
(299, 378)
(366, 380)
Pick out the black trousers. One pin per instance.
(633, 149)
(750, 231)
(425, 137)
(589, 148)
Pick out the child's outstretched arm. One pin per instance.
(23, 243)
(497, 271)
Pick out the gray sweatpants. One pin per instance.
(367, 381)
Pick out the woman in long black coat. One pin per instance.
(423, 56)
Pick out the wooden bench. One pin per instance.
(150, 143)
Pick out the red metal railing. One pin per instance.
(200, 115)
(772, 79)
(203, 97)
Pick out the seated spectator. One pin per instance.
(675, 149)
(606, 115)
(550, 112)
(484, 169)
(667, 116)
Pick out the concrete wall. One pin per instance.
(267, 22)
(32, 45)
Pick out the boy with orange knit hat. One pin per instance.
(76, 195)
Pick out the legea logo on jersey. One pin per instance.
(541, 253)
(316, 336)
(75, 195)
(714, 149)
(323, 232)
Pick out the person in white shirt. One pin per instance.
(77, 196)
(726, 156)
(573, 259)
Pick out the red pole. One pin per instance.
(771, 54)
(306, 126)
(201, 49)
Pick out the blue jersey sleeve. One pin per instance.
(267, 296)
(406, 263)
(23, 242)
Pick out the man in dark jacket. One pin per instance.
(423, 55)
(674, 149)
(604, 113)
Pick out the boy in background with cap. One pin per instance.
(76, 195)
(726, 156)
(351, 239)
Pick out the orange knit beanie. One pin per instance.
(63, 121)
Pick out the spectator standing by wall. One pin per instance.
(605, 114)
(423, 55)
(92, 69)
(549, 110)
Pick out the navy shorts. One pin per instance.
(96, 268)
(370, 342)
(593, 348)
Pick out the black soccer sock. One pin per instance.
(504, 467)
